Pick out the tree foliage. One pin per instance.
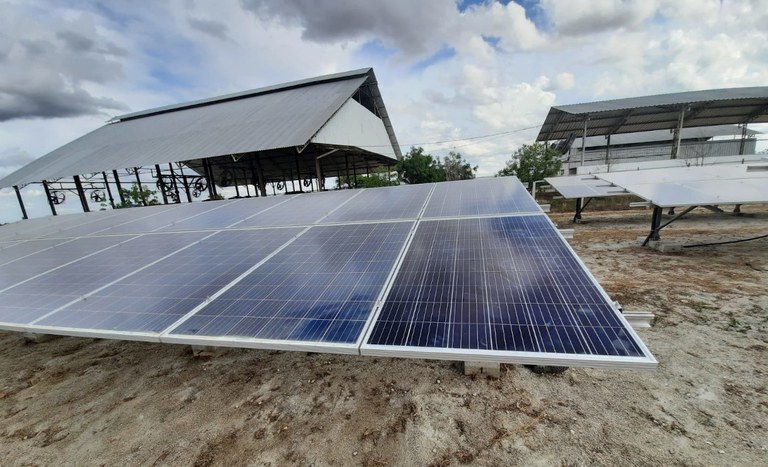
(134, 197)
(456, 168)
(533, 162)
(379, 177)
(418, 167)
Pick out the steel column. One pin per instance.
(298, 173)
(260, 175)
(162, 183)
(119, 186)
(584, 139)
(743, 139)
(141, 189)
(109, 190)
(175, 185)
(48, 195)
(608, 153)
(81, 194)
(185, 182)
(21, 202)
(676, 139)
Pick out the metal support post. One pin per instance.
(109, 190)
(81, 194)
(254, 177)
(208, 171)
(141, 189)
(21, 202)
(676, 138)
(608, 153)
(175, 185)
(743, 139)
(581, 205)
(48, 196)
(119, 186)
(260, 176)
(185, 182)
(319, 175)
(584, 139)
(346, 161)
(161, 182)
(298, 173)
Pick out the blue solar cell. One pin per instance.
(303, 209)
(154, 218)
(319, 289)
(498, 284)
(26, 302)
(222, 214)
(401, 202)
(502, 195)
(155, 297)
(39, 256)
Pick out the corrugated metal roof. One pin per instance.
(636, 114)
(264, 119)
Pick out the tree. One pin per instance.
(456, 168)
(417, 167)
(533, 162)
(379, 177)
(135, 197)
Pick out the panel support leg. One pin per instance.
(48, 195)
(109, 190)
(119, 187)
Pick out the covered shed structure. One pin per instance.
(291, 135)
(731, 106)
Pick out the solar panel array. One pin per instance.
(469, 270)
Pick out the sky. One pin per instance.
(477, 77)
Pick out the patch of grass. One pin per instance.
(738, 326)
(700, 306)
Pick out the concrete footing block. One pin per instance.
(35, 338)
(482, 369)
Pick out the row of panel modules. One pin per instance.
(470, 270)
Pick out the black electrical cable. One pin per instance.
(726, 243)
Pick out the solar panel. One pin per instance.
(585, 186)
(466, 270)
(153, 218)
(223, 214)
(507, 287)
(318, 293)
(304, 209)
(401, 202)
(38, 257)
(695, 186)
(97, 222)
(153, 298)
(487, 196)
(60, 282)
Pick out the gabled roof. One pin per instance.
(659, 112)
(273, 117)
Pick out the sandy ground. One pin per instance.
(98, 402)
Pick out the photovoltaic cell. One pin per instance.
(28, 301)
(97, 222)
(304, 209)
(498, 284)
(152, 299)
(40, 256)
(321, 288)
(154, 218)
(226, 215)
(488, 196)
(401, 202)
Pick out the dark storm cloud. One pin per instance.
(13, 158)
(210, 27)
(75, 42)
(413, 27)
(48, 65)
(52, 103)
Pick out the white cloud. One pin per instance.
(497, 72)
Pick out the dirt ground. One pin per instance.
(99, 402)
